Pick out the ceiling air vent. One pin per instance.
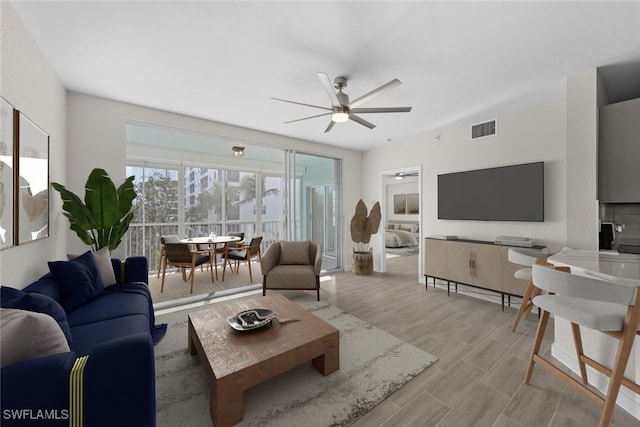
(484, 130)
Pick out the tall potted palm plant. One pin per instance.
(104, 216)
(363, 226)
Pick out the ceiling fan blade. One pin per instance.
(302, 103)
(367, 96)
(381, 110)
(307, 118)
(330, 126)
(362, 121)
(328, 86)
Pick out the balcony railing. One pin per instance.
(145, 239)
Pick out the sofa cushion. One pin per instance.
(27, 335)
(39, 303)
(78, 279)
(294, 252)
(292, 277)
(86, 336)
(46, 285)
(110, 305)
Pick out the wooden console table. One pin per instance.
(480, 264)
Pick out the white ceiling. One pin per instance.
(224, 60)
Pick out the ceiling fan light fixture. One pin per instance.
(238, 151)
(340, 117)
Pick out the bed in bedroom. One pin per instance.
(400, 235)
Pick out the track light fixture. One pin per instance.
(238, 151)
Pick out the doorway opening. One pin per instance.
(401, 205)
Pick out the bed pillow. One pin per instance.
(40, 303)
(27, 335)
(405, 227)
(294, 252)
(78, 279)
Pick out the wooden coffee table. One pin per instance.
(236, 361)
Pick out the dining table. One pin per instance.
(212, 242)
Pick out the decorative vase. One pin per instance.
(362, 262)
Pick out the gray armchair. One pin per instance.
(292, 265)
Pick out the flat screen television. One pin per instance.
(507, 193)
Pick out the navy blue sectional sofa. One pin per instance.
(115, 330)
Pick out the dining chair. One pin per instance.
(243, 253)
(229, 246)
(526, 258)
(609, 307)
(181, 255)
(169, 238)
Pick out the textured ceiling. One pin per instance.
(223, 61)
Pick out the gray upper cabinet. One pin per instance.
(619, 153)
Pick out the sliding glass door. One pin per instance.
(314, 204)
(195, 186)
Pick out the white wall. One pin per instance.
(97, 139)
(534, 134)
(582, 163)
(29, 83)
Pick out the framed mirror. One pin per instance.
(6, 174)
(32, 182)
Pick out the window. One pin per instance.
(183, 196)
(264, 210)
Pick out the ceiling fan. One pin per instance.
(402, 175)
(342, 109)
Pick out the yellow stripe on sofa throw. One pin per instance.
(76, 404)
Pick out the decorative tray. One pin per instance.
(249, 320)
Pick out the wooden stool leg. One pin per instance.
(537, 343)
(535, 293)
(577, 341)
(526, 297)
(631, 322)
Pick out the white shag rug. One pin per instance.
(373, 365)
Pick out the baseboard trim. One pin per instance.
(626, 398)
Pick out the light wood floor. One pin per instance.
(478, 379)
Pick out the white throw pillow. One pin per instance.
(105, 269)
(26, 335)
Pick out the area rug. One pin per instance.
(373, 365)
(175, 288)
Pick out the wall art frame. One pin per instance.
(7, 174)
(31, 181)
(413, 204)
(399, 204)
